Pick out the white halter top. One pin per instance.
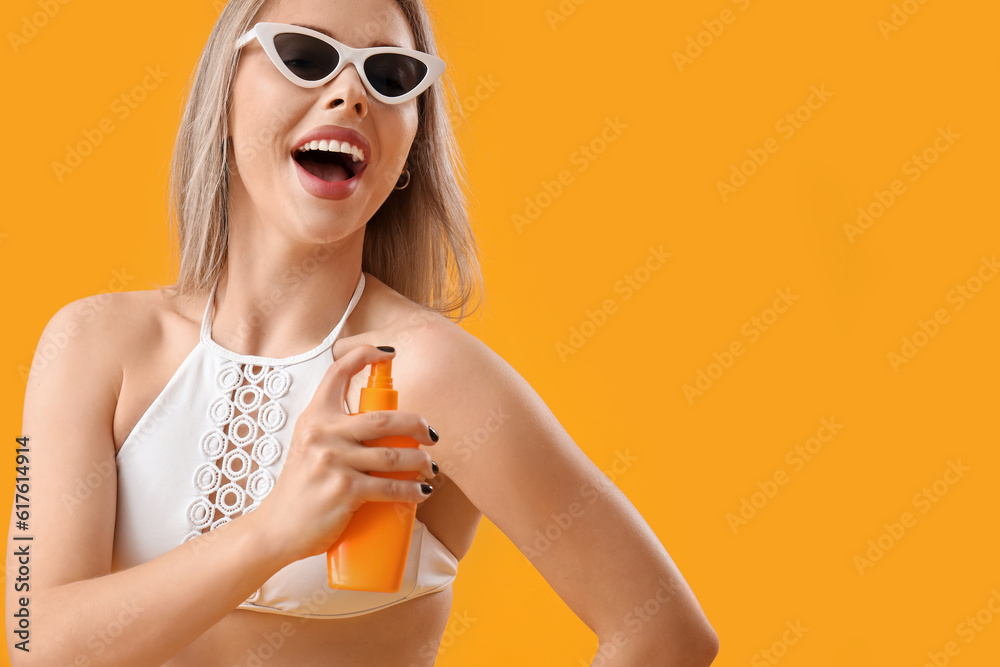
(210, 448)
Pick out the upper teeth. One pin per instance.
(334, 146)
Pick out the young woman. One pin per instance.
(193, 448)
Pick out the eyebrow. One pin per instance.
(327, 33)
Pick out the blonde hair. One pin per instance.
(419, 242)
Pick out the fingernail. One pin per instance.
(434, 467)
(426, 489)
(386, 348)
(434, 434)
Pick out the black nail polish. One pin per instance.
(434, 434)
(386, 348)
(434, 467)
(426, 489)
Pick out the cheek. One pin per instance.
(399, 131)
(410, 122)
(259, 121)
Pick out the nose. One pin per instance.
(347, 90)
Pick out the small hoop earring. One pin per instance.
(406, 173)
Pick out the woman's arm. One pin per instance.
(77, 609)
(528, 476)
(80, 613)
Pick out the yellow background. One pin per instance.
(554, 87)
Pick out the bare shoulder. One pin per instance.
(431, 348)
(92, 324)
(465, 389)
(90, 339)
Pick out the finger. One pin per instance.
(332, 389)
(386, 490)
(368, 426)
(391, 460)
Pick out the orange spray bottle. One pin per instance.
(370, 555)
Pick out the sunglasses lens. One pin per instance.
(307, 57)
(393, 74)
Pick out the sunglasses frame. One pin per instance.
(265, 33)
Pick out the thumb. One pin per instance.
(332, 389)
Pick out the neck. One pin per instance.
(277, 299)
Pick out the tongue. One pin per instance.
(330, 172)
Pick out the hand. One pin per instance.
(324, 479)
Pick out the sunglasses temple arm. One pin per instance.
(245, 39)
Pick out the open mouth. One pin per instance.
(330, 166)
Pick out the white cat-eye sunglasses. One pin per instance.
(309, 59)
